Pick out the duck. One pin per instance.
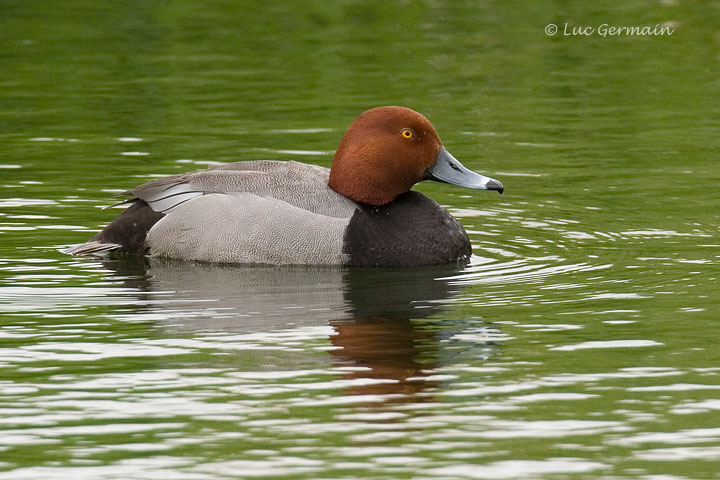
(361, 211)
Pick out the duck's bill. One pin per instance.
(449, 170)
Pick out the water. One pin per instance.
(580, 343)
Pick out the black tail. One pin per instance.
(126, 233)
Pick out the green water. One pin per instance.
(580, 343)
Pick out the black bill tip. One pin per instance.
(495, 185)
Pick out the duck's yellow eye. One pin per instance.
(407, 133)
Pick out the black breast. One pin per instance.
(411, 231)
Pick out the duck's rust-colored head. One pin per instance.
(387, 150)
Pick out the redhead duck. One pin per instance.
(359, 212)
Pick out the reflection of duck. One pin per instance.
(259, 297)
(361, 212)
(373, 313)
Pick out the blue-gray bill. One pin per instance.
(448, 169)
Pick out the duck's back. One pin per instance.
(298, 184)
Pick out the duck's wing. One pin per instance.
(301, 185)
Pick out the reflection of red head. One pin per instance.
(383, 352)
